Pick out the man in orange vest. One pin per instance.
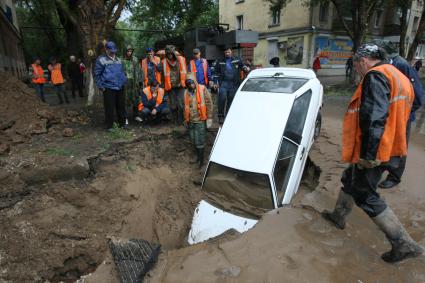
(198, 109)
(150, 71)
(37, 78)
(153, 103)
(173, 69)
(200, 67)
(374, 130)
(57, 79)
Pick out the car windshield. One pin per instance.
(251, 189)
(274, 84)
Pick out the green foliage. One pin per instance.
(41, 13)
(117, 133)
(172, 17)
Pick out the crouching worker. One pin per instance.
(153, 105)
(374, 130)
(198, 113)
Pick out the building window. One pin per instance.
(239, 22)
(9, 14)
(378, 16)
(415, 25)
(323, 11)
(239, 1)
(275, 16)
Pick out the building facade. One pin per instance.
(11, 52)
(299, 33)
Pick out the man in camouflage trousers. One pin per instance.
(134, 82)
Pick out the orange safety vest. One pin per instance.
(393, 141)
(204, 66)
(144, 65)
(167, 73)
(38, 74)
(149, 95)
(56, 74)
(200, 98)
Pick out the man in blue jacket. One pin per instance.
(110, 78)
(230, 72)
(397, 165)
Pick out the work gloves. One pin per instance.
(209, 123)
(368, 164)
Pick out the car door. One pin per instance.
(293, 153)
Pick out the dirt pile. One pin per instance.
(141, 189)
(23, 115)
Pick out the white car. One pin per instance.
(259, 154)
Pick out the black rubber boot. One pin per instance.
(403, 246)
(201, 156)
(388, 183)
(197, 157)
(342, 209)
(60, 99)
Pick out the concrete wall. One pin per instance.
(4, 4)
(11, 52)
(256, 14)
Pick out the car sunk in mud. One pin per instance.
(260, 152)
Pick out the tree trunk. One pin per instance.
(403, 27)
(418, 38)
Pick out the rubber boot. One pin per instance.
(174, 116)
(201, 156)
(197, 158)
(66, 97)
(342, 209)
(403, 246)
(60, 98)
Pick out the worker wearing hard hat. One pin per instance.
(134, 82)
(173, 70)
(150, 71)
(198, 109)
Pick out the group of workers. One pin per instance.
(56, 76)
(157, 89)
(376, 132)
(376, 126)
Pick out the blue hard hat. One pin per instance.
(110, 45)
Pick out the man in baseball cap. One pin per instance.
(111, 47)
(374, 131)
(110, 79)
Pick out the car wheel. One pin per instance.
(317, 126)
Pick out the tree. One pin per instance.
(40, 14)
(360, 12)
(404, 6)
(173, 17)
(95, 21)
(418, 37)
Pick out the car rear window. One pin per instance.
(274, 84)
(252, 189)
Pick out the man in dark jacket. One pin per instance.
(153, 103)
(229, 74)
(110, 78)
(397, 165)
(75, 76)
(374, 130)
